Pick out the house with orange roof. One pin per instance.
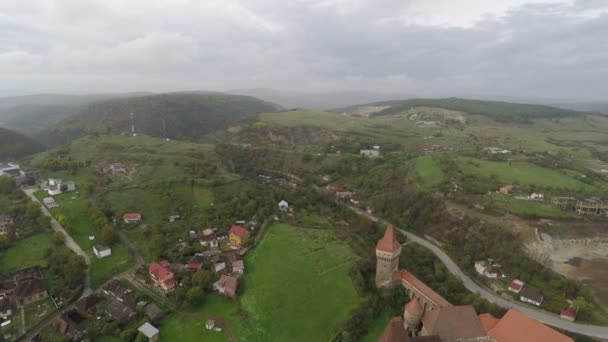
(161, 276)
(238, 236)
(514, 326)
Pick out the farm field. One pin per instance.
(25, 253)
(300, 275)
(428, 170)
(529, 208)
(522, 173)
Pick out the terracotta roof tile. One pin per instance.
(394, 331)
(389, 242)
(158, 271)
(238, 231)
(423, 289)
(488, 321)
(514, 326)
(453, 322)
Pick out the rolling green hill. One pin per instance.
(185, 115)
(16, 145)
(497, 110)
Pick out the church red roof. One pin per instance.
(389, 242)
(424, 289)
(414, 308)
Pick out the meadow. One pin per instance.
(297, 280)
(428, 170)
(522, 173)
(26, 253)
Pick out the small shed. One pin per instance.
(149, 331)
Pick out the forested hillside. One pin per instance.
(15, 145)
(177, 115)
(497, 110)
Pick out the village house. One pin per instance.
(208, 239)
(54, 186)
(227, 286)
(430, 148)
(238, 236)
(195, 263)
(89, 304)
(118, 311)
(486, 268)
(10, 170)
(370, 153)
(153, 311)
(516, 286)
(568, 314)
(496, 150)
(117, 290)
(162, 277)
(102, 251)
(5, 221)
(6, 307)
(592, 206)
(70, 325)
(149, 331)
(131, 217)
(238, 267)
(531, 295)
(49, 202)
(506, 190)
(30, 291)
(532, 197)
(283, 205)
(219, 267)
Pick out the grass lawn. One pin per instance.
(522, 173)
(103, 269)
(25, 253)
(297, 281)
(187, 329)
(428, 170)
(35, 312)
(521, 207)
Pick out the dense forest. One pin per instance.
(178, 116)
(14, 145)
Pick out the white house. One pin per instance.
(486, 269)
(102, 251)
(54, 186)
(370, 153)
(70, 186)
(283, 205)
(238, 267)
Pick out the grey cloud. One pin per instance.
(540, 49)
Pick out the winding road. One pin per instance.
(542, 316)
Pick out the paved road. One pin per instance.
(68, 241)
(543, 316)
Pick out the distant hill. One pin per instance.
(185, 115)
(317, 100)
(31, 114)
(15, 145)
(497, 110)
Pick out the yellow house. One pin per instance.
(238, 236)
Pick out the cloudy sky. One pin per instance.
(542, 48)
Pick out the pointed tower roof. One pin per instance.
(414, 308)
(389, 242)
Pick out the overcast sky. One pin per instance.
(542, 48)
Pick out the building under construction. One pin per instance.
(565, 203)
(592, 206)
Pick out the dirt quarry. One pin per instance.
(576, 250)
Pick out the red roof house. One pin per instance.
(161, 276)
(131, 217)
(238, 235)
(195, 263)
(516, 286)
(568, 314)
(514, 326)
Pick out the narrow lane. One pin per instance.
(542, 316)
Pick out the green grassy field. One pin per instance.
(522, 173)
(521, 207)
(297, 280)
(188, 329)
(428, 170)
(25, 253)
